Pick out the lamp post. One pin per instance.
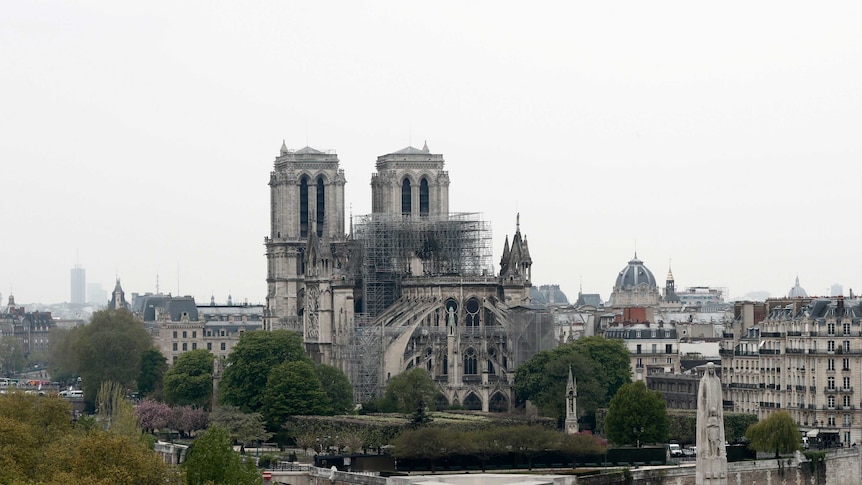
(637, 432)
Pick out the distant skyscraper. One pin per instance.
(837, 290)
(79, 285)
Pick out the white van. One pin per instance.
(73, 394)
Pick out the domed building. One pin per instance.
(797, 291)
(635, 286)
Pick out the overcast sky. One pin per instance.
(137, 138)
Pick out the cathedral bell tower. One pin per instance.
(410, 182)
(306, 189)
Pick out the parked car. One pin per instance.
(675, 449)
(690, 451)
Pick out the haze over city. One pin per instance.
(138, 139)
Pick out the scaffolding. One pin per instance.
(395, 247)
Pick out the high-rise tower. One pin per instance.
(79, 286)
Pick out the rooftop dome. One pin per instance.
(635, 274)
(797, 291)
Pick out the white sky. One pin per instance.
(136, 138)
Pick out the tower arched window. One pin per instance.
(472, 307)
(406, 198)
(445, 365)
(424, 201)
(470, 361)
(303, 207)
(320, 208)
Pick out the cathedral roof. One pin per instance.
(412, 151)
(309, 150)
(634, 274)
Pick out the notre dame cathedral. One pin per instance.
(409, 285)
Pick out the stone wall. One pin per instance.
(838, 468)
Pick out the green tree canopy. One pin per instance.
(637, 415)
(337, 387)
(189, 382)
(407, 390)
(600, 366)
(153, 367)
(62, 359)
(777, 433)
(110, 349)
(249, 365)
(293, 389)
(243, 427)
(211, 460)
(12, 360)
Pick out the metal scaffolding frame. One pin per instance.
(395, 247)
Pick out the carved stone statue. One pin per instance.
(711, 468)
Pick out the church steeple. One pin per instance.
(571, 404)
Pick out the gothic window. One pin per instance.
(470, 361)
(423, 198)
(303, 207)
(406, 198)
(445, 365)
(472, 308)
(492, 355)
(452, 308)
(320, 208)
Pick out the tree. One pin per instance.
(427, 443)
(211, 460)
(190, 381)
(407, 390)
(110, 349)
(292, 389)
(153, 367)
(777, 433)
(62, 359)
(637, 415)
(12, 360)
(736, 424)
(244, 428)
(153, 415)
(337, 387)
(249, 364)
(115, 413)
(599, 365)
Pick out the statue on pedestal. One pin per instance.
(711, 468)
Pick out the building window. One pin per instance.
(640, 362)
(638, 349)
(830, 364)
(175, 334)
(848, 420)
(830, 382)
(831, 328)
(670, 360)
(846, 328)
(445, 365)
(472, 307)
(185, 346)
(194, 345)
(303, 207)
(175, 359)
(320, 215)
(654, 348)
(175, 346)
(492, 354)
(831, 420)
(406, 198)
(830, 346)
(668, 348)
(846, 346)
(209, 345)
(424, 205)
(185, 334)
(470, 362)
(830, 402)
(846, 401)
(845, 364)
(846, 382)
(223, 346)
(194, 334)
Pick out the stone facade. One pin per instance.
(408, 286)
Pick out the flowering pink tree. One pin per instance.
(153, 415)
(187, 419)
